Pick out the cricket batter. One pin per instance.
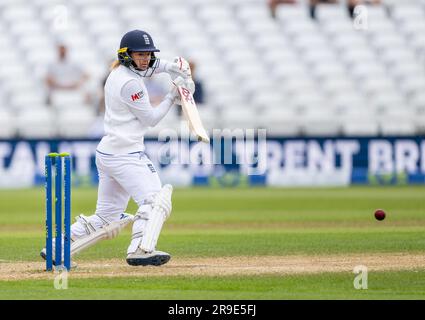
(124, 169)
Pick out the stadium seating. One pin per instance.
(291, 74)
(7, 124)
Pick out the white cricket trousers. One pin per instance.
(122, 177)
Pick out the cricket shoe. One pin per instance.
(43, 255)
(143, 258)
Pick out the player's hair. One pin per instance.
(114, 65)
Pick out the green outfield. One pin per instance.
(245, 243)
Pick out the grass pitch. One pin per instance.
(254, 243)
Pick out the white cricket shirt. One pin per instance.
(128, 112)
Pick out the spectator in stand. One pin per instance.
(199, 87)
(64, 75)
(273, 4)
(353, 3)
(314, 3)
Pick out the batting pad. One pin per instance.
(160, 212)
(108, 231)
(139, 226)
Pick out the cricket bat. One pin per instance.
(191, 114)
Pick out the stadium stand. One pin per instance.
(291, 74)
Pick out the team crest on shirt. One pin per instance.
(137, 95)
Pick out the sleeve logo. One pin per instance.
(137, 96)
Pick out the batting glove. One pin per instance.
(174, 94)
(179, 67)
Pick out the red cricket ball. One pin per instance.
(380, 214)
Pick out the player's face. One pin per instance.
(141, 59)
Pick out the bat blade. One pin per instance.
(191, 114)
